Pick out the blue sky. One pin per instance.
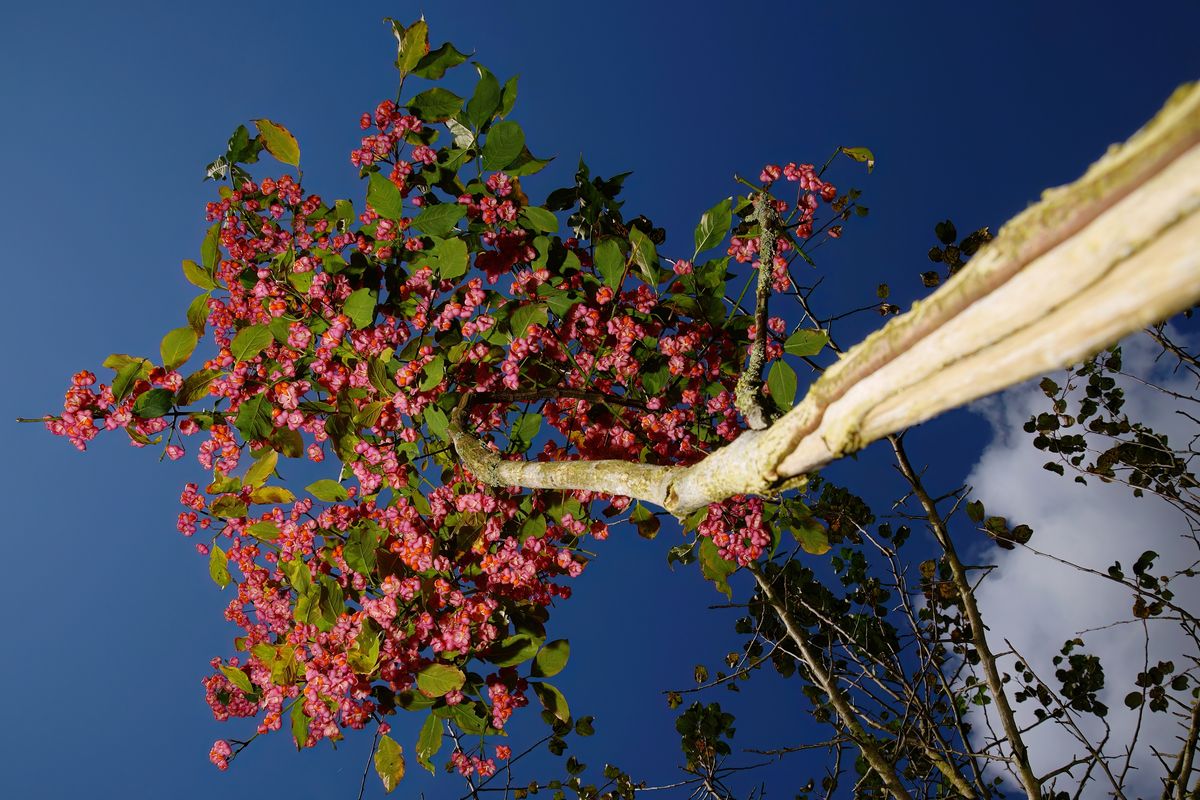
(111, 112)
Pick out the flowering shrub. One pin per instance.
(353, 333)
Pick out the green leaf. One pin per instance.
(437, 422)
(806, 342)
(435, 105)
(228, 506)
(434, 371)
(300, 722)
(365, 656)
(504, 143)
(328, 490)
(254, 418)
(210, 248)
(861, 155)
(118, 361)
(218, 567)
(534, 525)
(261, 469)
(438, 680)
(154, 403)
(194, 388)
(238, 678)
(526, 164)
(525, 429)
(266, 531)
(655, 380)
(384, 196)
(279, 141)
(439, 220)
(288, 442)
(241, 149)
(645, 521)
(197, 313)
(198, 275)
(945, 231)
(644, 254)
(127, 375)
(331, 603)
(177, 346)
(412, 45)
(508, 96)
(524, 316)
(280, 328)
(429, 741)
(298, 575)
(303, 281)
(811, 536)
(552, 700)
(360, 307)
(360, 547)
(714, 224)
(715, 568)
(610, 262)
(433, 65)
(539, 219)
(781, 380)
(223, 483)
(514, 650)
(452, 258)
(272, 495)
(552, 658)
(486, 100)
(250, 341)
(473, 718)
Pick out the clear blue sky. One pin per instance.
(113, 109)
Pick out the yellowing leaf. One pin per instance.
(812, 537)
(261, 469)
(218, 567)
(429, 741)
(250, 341)
(177, 346)
(437, 680)
(267, 531)
(389, 762)
(328, 490)
(198, 275)
(862, 155)
(551, 660)
(279, 141)
(272, 495)
(552, 700)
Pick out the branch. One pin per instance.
(1175, 786)
(748, 394)
(1157, 334)
(966, 593)
(1093, 261)
(863, 740)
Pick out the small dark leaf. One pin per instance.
(946, 232)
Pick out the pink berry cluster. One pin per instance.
(353, 336)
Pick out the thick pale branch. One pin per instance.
(1090, 263)
(755, 407)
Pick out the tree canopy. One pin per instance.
(500, 381)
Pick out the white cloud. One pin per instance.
(1037, 604)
